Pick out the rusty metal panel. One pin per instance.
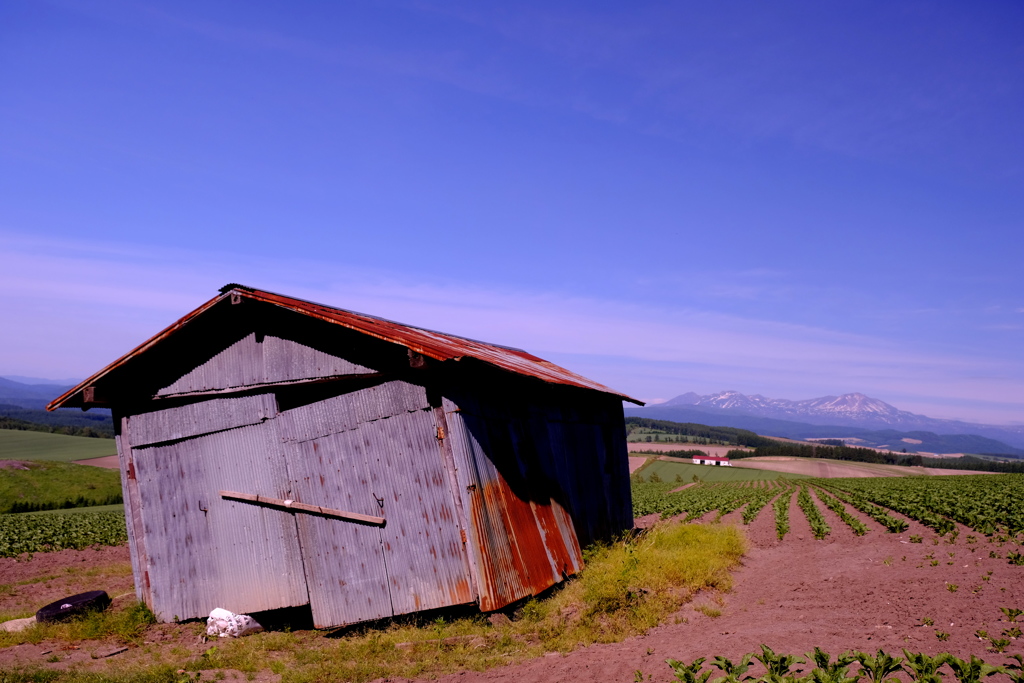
(523, 538)
(423, 547)
(343, 562)
(204, 417)
(245, 363)
(207, 552)
(350, 410)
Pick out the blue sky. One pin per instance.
(792, 199)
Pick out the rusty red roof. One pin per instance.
(437, 345)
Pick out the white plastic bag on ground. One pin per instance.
(223, 623)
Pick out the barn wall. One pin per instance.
(258, 359)
(375, 451)
(538, 480)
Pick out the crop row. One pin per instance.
(877, 668)
(891, 524)
(42, 532)
(986, 503)
(858, 527)
(819, 527)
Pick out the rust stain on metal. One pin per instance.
(530, 551)
(427, 343)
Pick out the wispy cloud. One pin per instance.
(77, 307)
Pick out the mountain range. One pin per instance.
(841, 415)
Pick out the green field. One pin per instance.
(57, 484)
(25, 445)
(668, 471)
(74, 511)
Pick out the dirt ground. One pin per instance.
(843, 592)
(109, 462)
(28, 584)
(829, 469)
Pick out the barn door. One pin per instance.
(203, 551)
(374, 452)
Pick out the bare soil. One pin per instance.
(829, 469)
(31, 581)
(109, 462)
(843, 592)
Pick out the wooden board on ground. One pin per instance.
(24, 445)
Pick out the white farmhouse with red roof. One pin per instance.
(711, 460)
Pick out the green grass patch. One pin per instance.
(127, 624)
(625, 588)
(24, 445)
(684, 472)
(48, 485)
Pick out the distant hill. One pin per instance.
(685, 409)
(34, 396)
(27, 402)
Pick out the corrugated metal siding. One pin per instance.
(375, 452)
(422, 541)
(207, 552)
(252, 361)
(343, 561)
(350, 410)
(201, 418)
(132, 509)
(522, 536)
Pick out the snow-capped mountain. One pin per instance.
(851, 410)
(853, 406)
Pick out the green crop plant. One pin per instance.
(826, 671)
(1015, 671)
(734, 673)
(876, 667)
(46, 531)
(835, 505)
(781, 506)
(881, 667)
(922, 668)
(777, 666)
(1011, 613)
(819, 527)
(689, 673)
(971, 670)
(990, 505)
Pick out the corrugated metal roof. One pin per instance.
(436, 345)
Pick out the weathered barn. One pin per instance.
(276, 452)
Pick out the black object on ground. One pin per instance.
(74, 605)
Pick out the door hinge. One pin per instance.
(440, 433)
(462, 532)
